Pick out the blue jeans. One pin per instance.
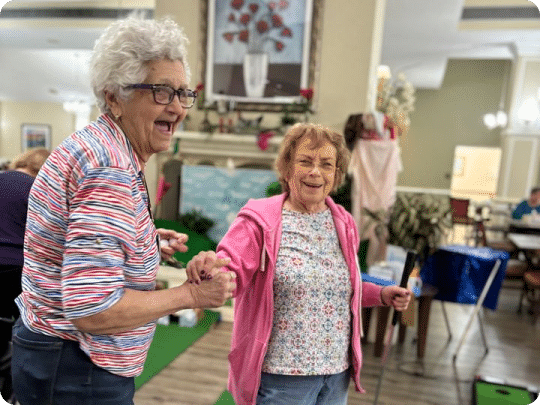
(277, 389)
(52, 371)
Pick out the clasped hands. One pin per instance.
(209, 285)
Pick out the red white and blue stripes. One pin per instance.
(89, 237)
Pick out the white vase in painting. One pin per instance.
(255, 73)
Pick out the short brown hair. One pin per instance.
(31, 160)
(319, 135)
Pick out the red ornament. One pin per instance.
(228, 36)
(232, 18)
(306, 93)
(279, 46)
(263, 138)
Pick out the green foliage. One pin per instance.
(419, 222)
(273, 189)
(342, 195)
(196, 222)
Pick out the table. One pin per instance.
(525, 241)
(520, 226)
(529, 245)
(465, 275)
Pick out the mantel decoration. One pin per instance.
(257, 52)
(395, 98)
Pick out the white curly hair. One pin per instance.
(124, 49)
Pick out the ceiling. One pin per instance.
(46, 60)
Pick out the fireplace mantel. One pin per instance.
(221, 149)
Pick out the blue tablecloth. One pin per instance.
(460, 273)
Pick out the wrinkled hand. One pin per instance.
(204, 265)
(396, 296)
(210, 285)
(171, 242)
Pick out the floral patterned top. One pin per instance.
(312, 292)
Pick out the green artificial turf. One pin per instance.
(169, 341)
(225, 399)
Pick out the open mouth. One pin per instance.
(313, 186)
(164, 126)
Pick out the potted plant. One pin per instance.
(419, 222)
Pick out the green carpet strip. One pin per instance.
(169, 341)
(225, 399)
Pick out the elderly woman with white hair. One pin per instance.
(89, 304)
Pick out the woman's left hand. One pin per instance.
(396, 296)
(171, 242)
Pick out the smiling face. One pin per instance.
(312, 175)
(150, 126)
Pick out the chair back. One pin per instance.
(460, 210)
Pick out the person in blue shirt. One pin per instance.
(526, 207)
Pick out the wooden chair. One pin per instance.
(531, 291)
(460, 216)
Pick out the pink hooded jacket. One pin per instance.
(252, 243)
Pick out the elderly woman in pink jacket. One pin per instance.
(297, 318)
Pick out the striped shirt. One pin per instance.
(89, 237)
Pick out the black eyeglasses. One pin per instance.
(164, 94)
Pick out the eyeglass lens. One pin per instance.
(165, 95)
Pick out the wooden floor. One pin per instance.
(198, 376)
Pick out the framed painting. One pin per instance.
(35, 136)
(258, 55)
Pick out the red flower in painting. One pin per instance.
(245, 18)
(262, 26)
(277, 21)
(257, 23)
(254, 7)
(237, 4)
(243, 36)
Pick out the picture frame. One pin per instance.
(257, 56)
(35, 136)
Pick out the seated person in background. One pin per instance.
(526, 207)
